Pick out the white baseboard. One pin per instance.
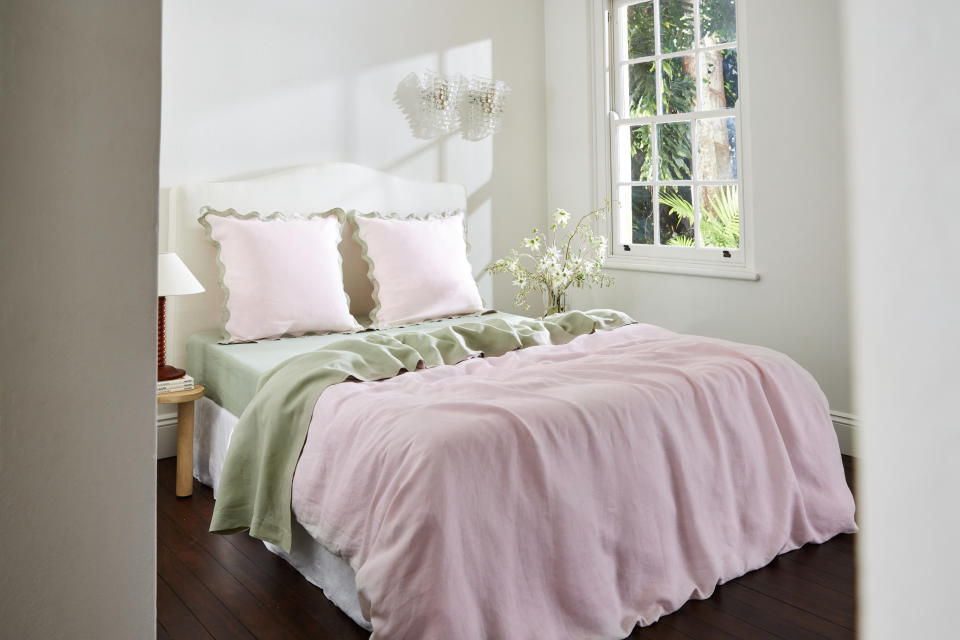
(166, 436)
(846, 425)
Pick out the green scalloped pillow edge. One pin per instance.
(365, 253)
(338, 213)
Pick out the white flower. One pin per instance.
(600, 244)
(546, 265)
(532, 243)
(520, 281)
(561, 217)
(553, 253)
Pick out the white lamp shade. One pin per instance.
(173, 277)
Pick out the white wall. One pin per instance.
(796, 180)
(79, 98)
(903, 140)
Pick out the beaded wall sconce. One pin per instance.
(436, 104)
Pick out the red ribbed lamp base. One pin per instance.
(164, 370)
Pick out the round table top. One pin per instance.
(176, 397)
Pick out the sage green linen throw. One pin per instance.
(256, 484)
(232, 373)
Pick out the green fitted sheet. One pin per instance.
(231, 373)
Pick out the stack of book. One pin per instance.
(180, 384)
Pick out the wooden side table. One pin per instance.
(184, 401)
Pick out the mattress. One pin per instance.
(231, 373)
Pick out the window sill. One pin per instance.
(620, 263)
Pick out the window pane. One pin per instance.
(676, 216)
(676, 25)
(640, 156)
(640, 30)
(673, 146)
(679, 88)
(643, 89)
(717, 149)
(642, 209)
(720, 217)
(721, 86)
(718, 21)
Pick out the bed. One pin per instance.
(589, 474)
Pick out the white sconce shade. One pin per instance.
(431, 104)
(481, 108)
(173, 277)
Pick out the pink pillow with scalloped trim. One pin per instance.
(281, 275)
(418, 266)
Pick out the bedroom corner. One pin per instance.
(571, 319)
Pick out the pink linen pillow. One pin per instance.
(418, 267)
(281, 275)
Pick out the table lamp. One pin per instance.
(173, 279)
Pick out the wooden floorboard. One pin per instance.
(227, 587)
(174, 619)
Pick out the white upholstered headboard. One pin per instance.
(306, 189)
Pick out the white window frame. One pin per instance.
(701, 261)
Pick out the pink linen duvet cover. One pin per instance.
(569, 491)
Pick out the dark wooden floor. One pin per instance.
(232, 587)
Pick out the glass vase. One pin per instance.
(556, 302)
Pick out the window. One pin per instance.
(674, 128)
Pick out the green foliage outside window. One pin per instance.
(719, 218)
(718, 24)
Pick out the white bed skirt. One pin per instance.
(212, 430)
